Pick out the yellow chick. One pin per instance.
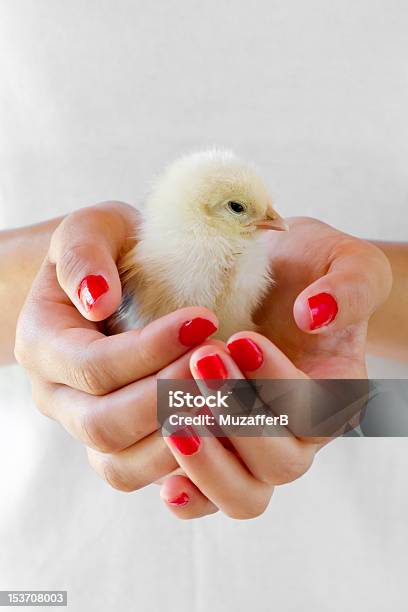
(201, 243)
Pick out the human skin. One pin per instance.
(55, 330)
(388, 328)
(21, 252)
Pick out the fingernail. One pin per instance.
(179, 500)
(211, 367)
(246, 354)
(91, 288)
(323, 310)
(185, 440)
(196, 331)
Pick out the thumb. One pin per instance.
(351, 291)
(84, 249)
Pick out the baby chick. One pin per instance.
(200, 244)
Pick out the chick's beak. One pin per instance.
(273, 221)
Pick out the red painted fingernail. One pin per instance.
(246, 354)
(179, 500)
(185, 440)
(90, 290)
(212, 367)
(323, 310)
(196, 331)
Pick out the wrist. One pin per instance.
(22, 251)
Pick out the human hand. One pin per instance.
(102, 389)
(341, 279)
(352, 278)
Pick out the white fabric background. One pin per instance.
(94, 97)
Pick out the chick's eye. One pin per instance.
(236, 207)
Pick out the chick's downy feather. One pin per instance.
(200, 244)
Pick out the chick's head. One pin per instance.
(214, 191)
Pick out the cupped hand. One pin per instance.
(102, 389)
(327, 285)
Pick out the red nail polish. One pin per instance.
(211, 367)
(90, 290)
(185, 440)
(323, 310)
(196, 331)
(246, 354)
(179, 500)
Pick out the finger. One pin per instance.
(318, 410)
(258, 357)
(274, 459)
(184, 500)
(356, 284)
(135, 467)
(112, 422)
(218, 473)
(84, 249)
(87, 360)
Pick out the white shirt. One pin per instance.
(94, 98)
